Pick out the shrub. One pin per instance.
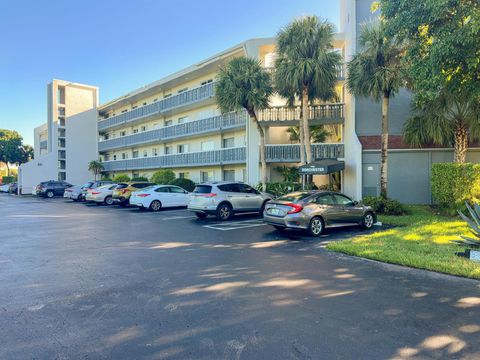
(140, 178)
(162, 177)
(453, 184)
(186, 184)
(106, 178)
(8, 179)
(282, 188)
(385, 206)
(121, 178)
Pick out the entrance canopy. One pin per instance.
(322, 167)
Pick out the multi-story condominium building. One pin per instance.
(68, 141)
(174, 123)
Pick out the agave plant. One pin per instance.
(474, 224)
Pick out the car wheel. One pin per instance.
(316, 226)
(279, 228)
(367, 221)
(50, 194)
(123, 202)
(262, 209)
(155, 205)
(224, 212)
(201, 215)
(108, 200)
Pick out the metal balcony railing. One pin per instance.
(289, 114)
(211, 124)
(291, 153)
(187, 97)
(237, 155)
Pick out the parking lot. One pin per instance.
(81, 281)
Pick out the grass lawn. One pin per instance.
(420, 239)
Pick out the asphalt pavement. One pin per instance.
(82, 281)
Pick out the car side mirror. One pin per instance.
(355, 203)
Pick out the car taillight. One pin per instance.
(295, 208)
(123, 191)
(95, 192)
(209, 195)
(143, 195)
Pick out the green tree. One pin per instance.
(376, 72)
(306, 68)
(318, 134)
(162, 177)
(12, 149)
(448, 120)
(121, 178)
(96, 167)
(289, 174)
(443, 45)
(244, 84)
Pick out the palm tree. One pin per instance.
(376, 72)
(306, 67)
(243, 84)
(447, 120)
(318, 134)
(96, 167)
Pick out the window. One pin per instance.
(167, 95)
(176, 190)
(114, 157)
(342, 200)
(184, 175)
(134, 107)
(228, 142)
(229, 175)
(202, 189)
(123, 133)
(244, 175)
(154, 152)
(124, 156)
(124, 111)
(182, 148)
(182, 90)
(325, 199)
(144, 103)
(164, 189)
(182, 119)
(247, 189)
(143, 128)
(207, 145)
(145, 153)
(168, 150)
(135, 175)
(154, 100)
(106, 137)
(135, 154)
(135, 131)
(168, 122)
(206, 175)
(61, 95)
(206, 82)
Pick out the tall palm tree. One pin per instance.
(243, 84)
(376, 72)
(306, 67)
(447, 120)
(96, 167)
(318, 134)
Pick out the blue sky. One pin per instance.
(120, 45)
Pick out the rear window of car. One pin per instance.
(294, 197)
(121, 186)
(202, 189)
(87, 185)
(141, 185)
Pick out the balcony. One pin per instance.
(202, 158)
(161, 107)
(43, 145)
(288, 116)
(197, 127)
(274, 154)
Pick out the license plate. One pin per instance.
(276, 212)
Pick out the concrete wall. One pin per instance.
(37, 170)
(81, 146)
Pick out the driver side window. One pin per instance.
(343, 200)
(325, 199)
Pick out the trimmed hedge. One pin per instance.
(162, 177)
(384, 206)
(8, 179)
(186, 184)
(121, 178)
(140, 178)
(282, 188)
(453, 184)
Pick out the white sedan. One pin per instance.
(101, 195)
(4, 188)
(157, 197)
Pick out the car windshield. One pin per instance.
(202, 189)
(294, 197)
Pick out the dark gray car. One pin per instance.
(314, 211)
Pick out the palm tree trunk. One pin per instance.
(461, 142)
(302, 140)
(384, 154)
(263, 159)
(306, 125)
(8, 168)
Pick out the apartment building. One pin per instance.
(65, 144)
(174, 123)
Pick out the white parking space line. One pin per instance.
(178, 217)
(235, 225)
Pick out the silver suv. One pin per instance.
(223, 199)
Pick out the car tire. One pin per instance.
(155, 205)
(316, 226)
(367, 221)
(123, 202)
(108, 201)
(201, 215)
(279, 228)
(262, 209)
(50, 194)
(224, 212)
